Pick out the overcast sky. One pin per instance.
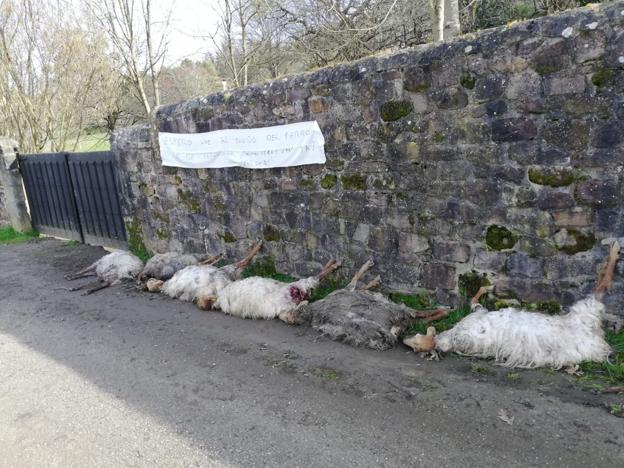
(190, 18)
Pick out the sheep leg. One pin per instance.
(78, 288)
(99, 285)
(328, 268)
(436, 315)
(89, 271)
(482, 290)
(211, 261)
(241, 265)
(605, 278)
(427, 313)
(363, 269)
(373, 284)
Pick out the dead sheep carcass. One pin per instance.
(110, 269)
(266, 298)
(360, 317)
(163, 266)
(200, 283)
(519, 338)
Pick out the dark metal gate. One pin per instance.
(75, 196)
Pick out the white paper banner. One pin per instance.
(255, 148)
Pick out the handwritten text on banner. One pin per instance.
(255, 148)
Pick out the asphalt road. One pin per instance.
(123, 378)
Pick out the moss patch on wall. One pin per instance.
(394, 110)
(227, 237)
(160, 216)
(163, 233)
(328, 181)
(469, 283)
(467, 81)
(353, 182)
(602, 77)
(500, 238)
(551, 177)
(187, 198)
(135, 240)
(270, 233)
(582, 242)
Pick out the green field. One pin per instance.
(87, 143)
(93, 142)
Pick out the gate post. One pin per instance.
(12, 198)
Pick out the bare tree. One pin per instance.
(329, 31)
(232, 38)
(188, 80)
(54, 76)
(140, 44)
(445, 19)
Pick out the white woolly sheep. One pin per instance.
(164, 266)
(110, 269)
(266, 298)
(201, 283)
(519, 338)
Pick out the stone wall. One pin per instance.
(13, 208)
(499, 153)
(4, 215)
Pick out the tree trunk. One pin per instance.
(445, 19)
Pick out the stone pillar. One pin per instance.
(11, 183)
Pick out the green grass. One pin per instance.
(93, 142)
(478, 369)
(265, 268)
(415, 301)
(326, 373)
(327, 287)
(617, 410)
(96, 141)
(612, 372)
(513, 376)
(144, 255)
(11, 236)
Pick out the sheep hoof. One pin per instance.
(433, 355)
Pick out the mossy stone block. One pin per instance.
(329, 181)
(353, 182)
(601, 77)
(395, 110)
(551, 177)
(500, 238)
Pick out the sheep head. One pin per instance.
(299, 294)
(422, 343)
(154, 285)
(205, 302)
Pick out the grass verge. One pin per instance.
(595, 374)
(9, 235)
